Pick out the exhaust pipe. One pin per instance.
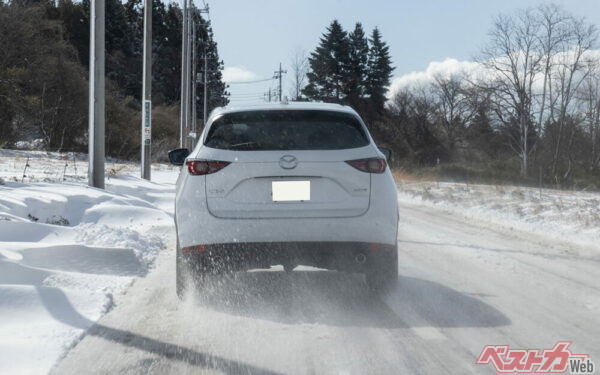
(360, 258)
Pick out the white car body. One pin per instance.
(235, 204)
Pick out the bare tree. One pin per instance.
(554, 30)
(416, 102)
(514, 60)
(453, 109)
(570, 73)
(589, 96)
(299, 66)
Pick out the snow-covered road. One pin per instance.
(463, 284)
(77, 262)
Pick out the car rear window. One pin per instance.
(286, 130)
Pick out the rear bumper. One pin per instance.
(343, 256)
(196, 225)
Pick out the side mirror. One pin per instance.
(177, 156)
(387, 153)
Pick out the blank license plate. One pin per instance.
(287, 191)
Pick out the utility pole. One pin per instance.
(198, 12)
(205, 115)
(194, 83)
(267, 95)
(278, 74)
(188, 72)
(147, 92)
(96, 96)
(188, 121)
(183, 99)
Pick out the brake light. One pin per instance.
(371, 165)
(198, 249)
(202, 167)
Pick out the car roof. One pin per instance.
(284, 106)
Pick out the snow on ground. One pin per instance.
(65, 246)
(557, 214)
(66, 249)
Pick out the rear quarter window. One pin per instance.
(286, 130)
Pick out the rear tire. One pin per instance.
(181, 278)
(190, 274)
(384, 276)
(288, 268)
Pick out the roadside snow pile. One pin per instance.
(563, 214)
(66, 249)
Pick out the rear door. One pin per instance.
(288, 164)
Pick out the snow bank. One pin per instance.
(559, 214)
(66, 248)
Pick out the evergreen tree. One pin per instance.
(358, 63)
(75, 18)
(217, 90)
(123, 49)
(380, 71)
(329, 66)
(166, 56)
(44, 63)
(42, 85)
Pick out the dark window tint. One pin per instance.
(286, 130)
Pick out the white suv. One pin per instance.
(285, 184)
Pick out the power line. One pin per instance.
(269, 95)
(273, 93)
(246, 82)
(247, 94)
(255, 99)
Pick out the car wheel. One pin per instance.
(180, 275)
(384, 276)
(288, 267)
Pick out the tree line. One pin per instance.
(349, 68)
(44, 60)
(528, 108)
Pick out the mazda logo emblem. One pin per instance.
(288, 162)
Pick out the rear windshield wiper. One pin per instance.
(245, 146)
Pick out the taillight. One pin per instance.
(198, 249)
(371, 165)
(201, 167)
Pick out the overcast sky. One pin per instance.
(254, 36)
